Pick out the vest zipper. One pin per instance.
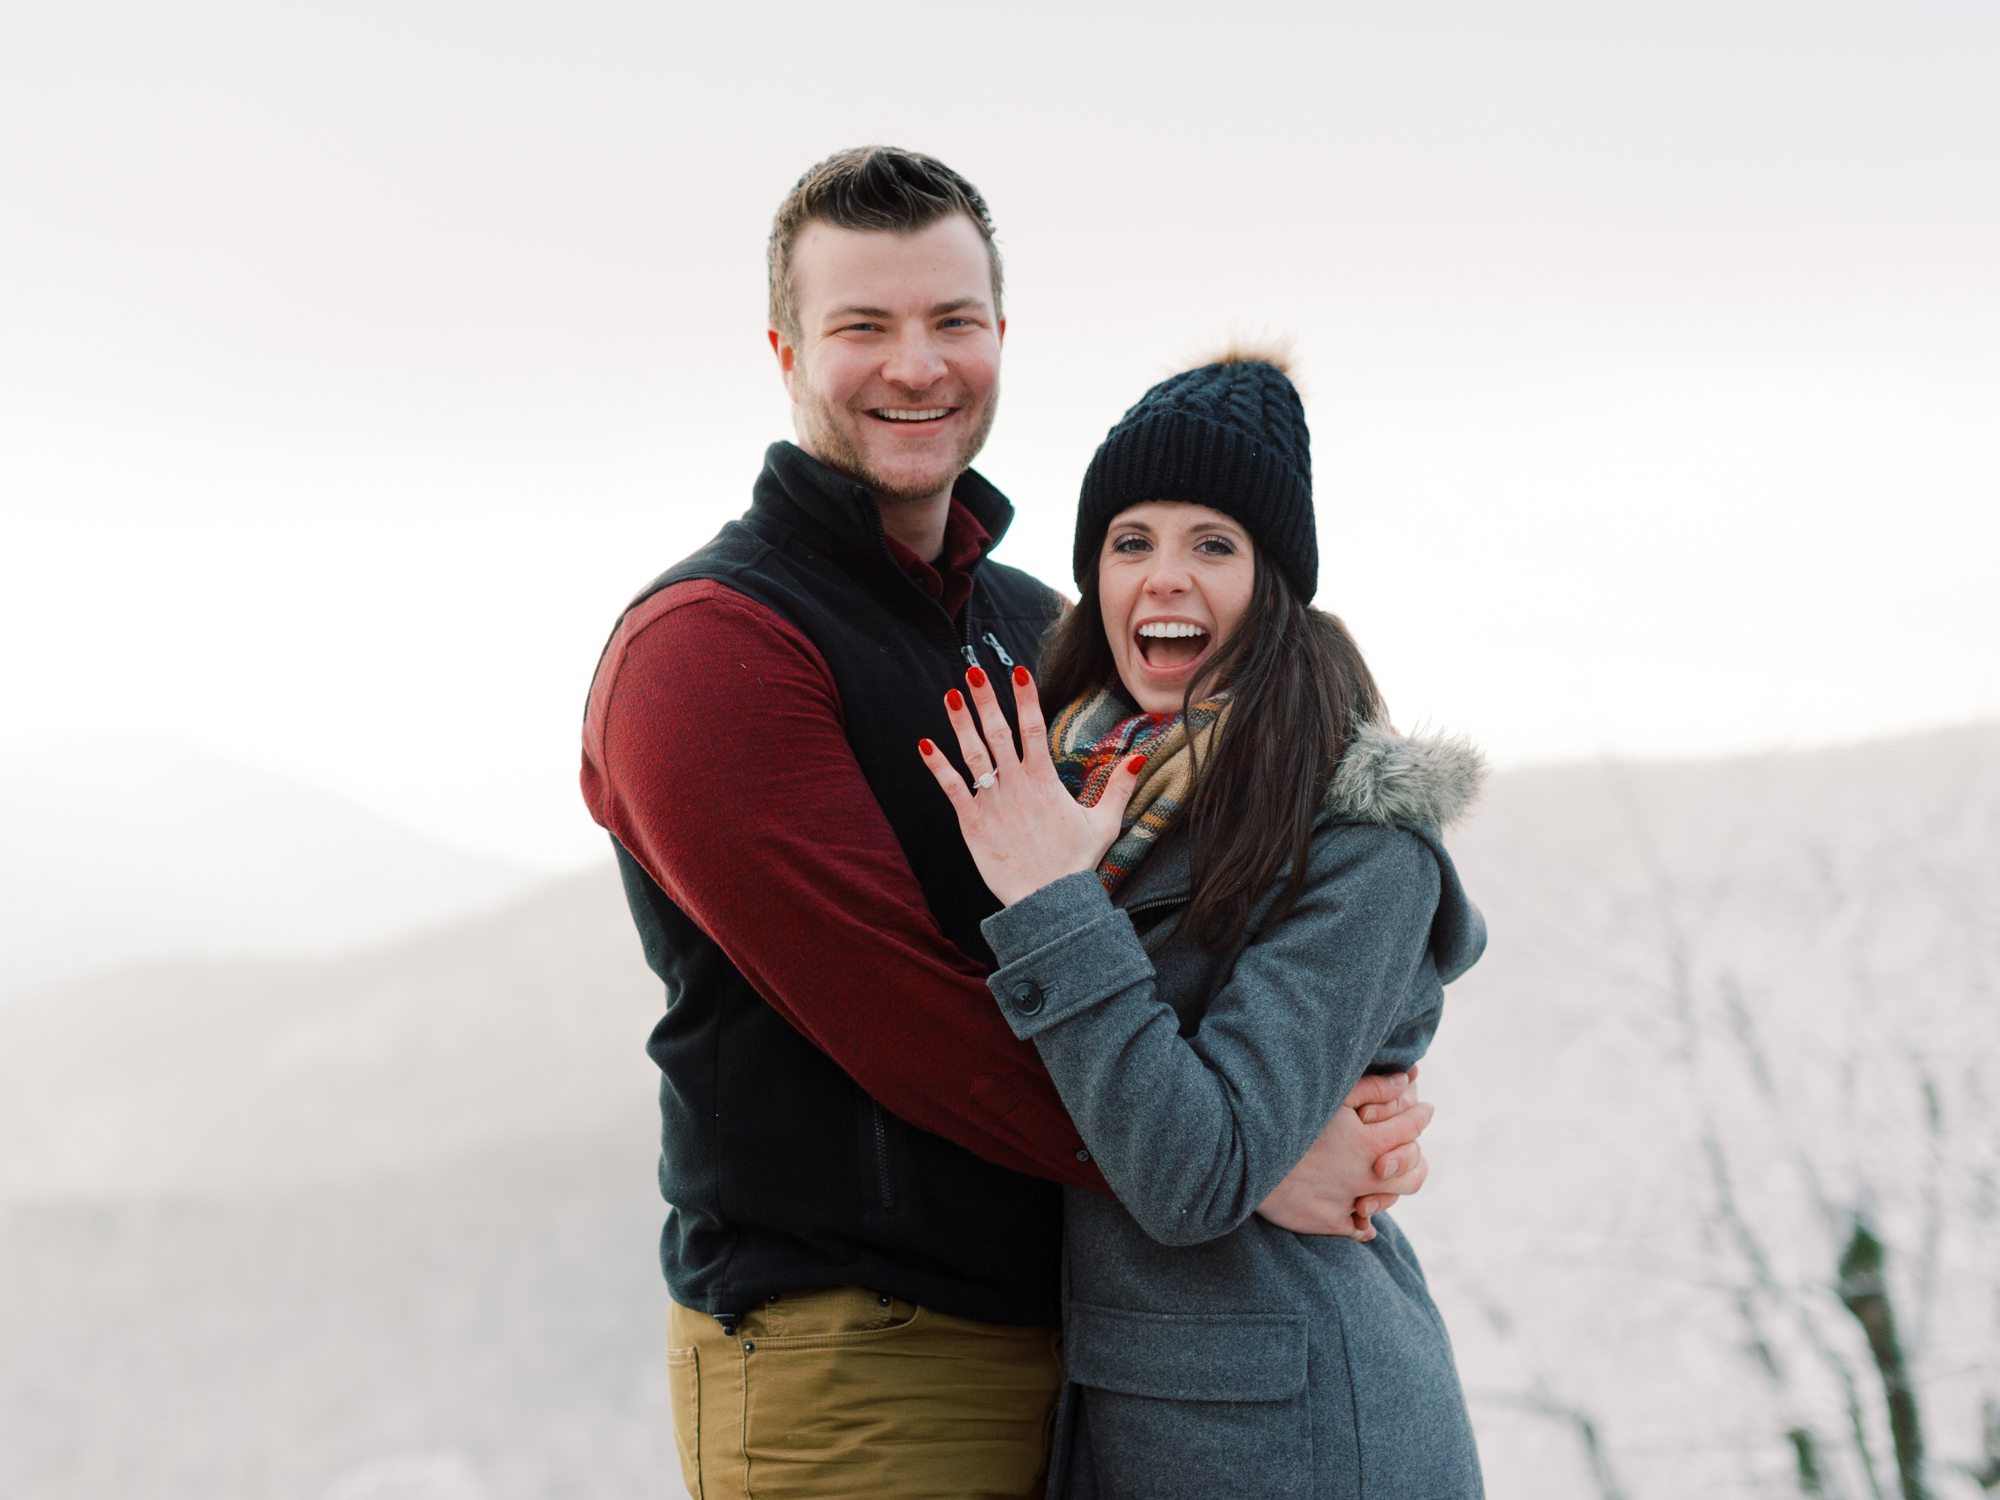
(969, 651)
(882, 542)
(886, 1194)
(998, 650)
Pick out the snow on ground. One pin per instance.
(381, 1227)
(375, 1228)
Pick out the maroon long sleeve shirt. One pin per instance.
(714, 752)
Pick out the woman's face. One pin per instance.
(1173, 580)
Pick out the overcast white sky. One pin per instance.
(358, 361)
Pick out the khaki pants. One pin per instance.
(829, 1394)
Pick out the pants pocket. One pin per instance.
(684, 1394)
(902, 1402)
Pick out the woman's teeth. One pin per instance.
(1167, 644)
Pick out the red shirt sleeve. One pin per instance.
(713, 752)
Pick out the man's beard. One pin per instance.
(838, 451)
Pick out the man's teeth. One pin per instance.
(890, 415)
(1170, 629)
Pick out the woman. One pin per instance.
(1225, 902)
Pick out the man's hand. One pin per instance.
(1364, 1160)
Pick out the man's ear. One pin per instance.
(788, 361)
(1002, 326)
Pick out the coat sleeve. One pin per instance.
(714, 753)
(1194, 1132)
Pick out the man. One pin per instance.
(861, 1159)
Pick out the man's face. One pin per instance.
(896, 375)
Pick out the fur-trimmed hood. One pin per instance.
(1386, 777)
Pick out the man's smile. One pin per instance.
(905, 414)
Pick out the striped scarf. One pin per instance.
(1095, 733)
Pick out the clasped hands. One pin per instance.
(1025, 831)
(1366, 1158)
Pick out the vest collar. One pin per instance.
(846, 512)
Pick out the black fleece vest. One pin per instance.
(782, 1173)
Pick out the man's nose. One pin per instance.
(914, 363)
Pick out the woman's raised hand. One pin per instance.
(1023, 827)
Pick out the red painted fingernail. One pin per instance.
(955, 701)
(925, 747)
(1133, 765)
(976, 677)
(1020, 677)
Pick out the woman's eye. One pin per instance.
(1129, 543)
(1216, 546)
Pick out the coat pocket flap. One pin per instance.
(1186, 1356)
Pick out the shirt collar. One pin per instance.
(949, 579)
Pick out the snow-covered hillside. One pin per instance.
(1738, 1022)
(204, 1079)
(124, 849)
(376, 1228)
(383, 1225)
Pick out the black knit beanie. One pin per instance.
(1229, 435)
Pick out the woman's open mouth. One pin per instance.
(1168, 645)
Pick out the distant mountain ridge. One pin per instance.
(221, 1077)
(121, 850)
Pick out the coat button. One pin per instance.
(1028, 997)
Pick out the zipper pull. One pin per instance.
(998, 649)
(971, 656)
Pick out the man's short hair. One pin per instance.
(871, 188)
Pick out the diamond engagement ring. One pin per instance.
(985, 781)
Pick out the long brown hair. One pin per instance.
(1298, 689)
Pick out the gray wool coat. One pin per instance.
(1209, 1353)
